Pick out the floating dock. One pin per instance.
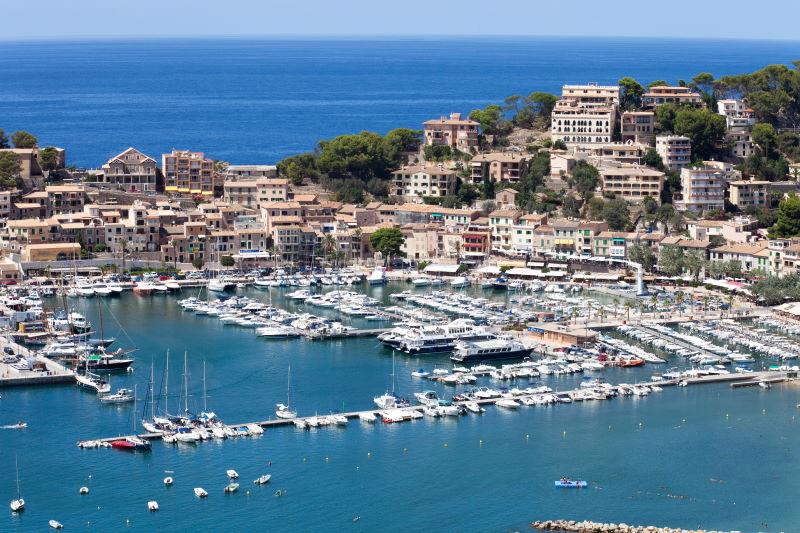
(741, 379)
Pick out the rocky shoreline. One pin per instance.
(599, 527)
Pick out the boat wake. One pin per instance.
(21, 425)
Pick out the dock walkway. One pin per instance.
(737, 380)
(12, 375)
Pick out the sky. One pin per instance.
(80, 19)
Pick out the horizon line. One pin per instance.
(368, 37)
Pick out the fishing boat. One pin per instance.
(263, 480)
(18, 504)
(231, 488)
(56, 524)
(286, 411)
(571, 483)
(200, 492)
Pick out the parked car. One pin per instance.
(8, 350)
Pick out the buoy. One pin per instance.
(763, 411)
(445, 445)
(565, 434)
(405, 450)
(683, 420)
(609, 427)
(127, 522)
(480, 442)
(304, 459)
(640, 424)
(527, 436)
(356, 519)
(248, 493)
(369, 454)
(326, 459)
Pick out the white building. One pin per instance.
(415, 182)
(582, 126)
(675, 151)
(703, 188)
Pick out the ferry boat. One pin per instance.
(438, 339)
(489, 350)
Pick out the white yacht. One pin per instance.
(488, 350)
(276, 332)
(421, 281)
(377, 276)
(437, 339)
(459, 282)
(216, 285)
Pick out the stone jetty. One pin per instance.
(599, 527)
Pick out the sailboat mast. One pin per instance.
(185, 385)
(204, 387)
(289, 387)
(152, 395)
(166, 386)
(16, 464)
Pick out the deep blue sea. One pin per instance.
(257, 101)
(701, 456)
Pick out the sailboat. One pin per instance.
(18, 504)
(285, 411)
(390, 400)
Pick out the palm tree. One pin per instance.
(628, 306)
(679, 300)
(615, 301)
(731, 301)
(358, 235)
(654, 303)
(705, 304)
(328, 244)
(575, 314)
(123, 245)
(601, 312)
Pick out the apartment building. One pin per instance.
(592, 94)
(638, 127)
(582, 126)
(734, 231)
(750, 255)
(664, 94)
(522, 233)
(630, 152)
(256, 192)
(188, 172)
(564, 234)
(744, 193)
(632, 183)
(613, 243)
(704, 188)
(131, 170)
(585, 234)
(250, 172)
(741, 142)
(455, 132)
(501, 223)
(415, 182)
(675, 151)
(738, 117)
(496, 167)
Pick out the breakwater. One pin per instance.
(599, 527)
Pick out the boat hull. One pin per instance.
(501, 356)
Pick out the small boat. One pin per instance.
(83, 490)
(367, 416)
(420, 373)
(571, 483)
(200, 492)
(168, 481)
(232, 474)
(473, 407)
(152, 505)
(765, 384)
(121, 396)
(18, 425)
(231, 488)
(56, 524)
(263, 480)
(508, 404)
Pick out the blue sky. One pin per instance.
(55, 19)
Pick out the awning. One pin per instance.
(170, 188)
(535, 263)
(183, 190)
(207, 193)
(522, 271)
(195, 191)
(444, 269)
(489, 270)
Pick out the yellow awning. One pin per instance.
(195, 191)
(171, 188)
(564, 241)
(207, 193)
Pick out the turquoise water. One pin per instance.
(257, 101)
(703, 456)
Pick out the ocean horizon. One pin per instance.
(256, 101)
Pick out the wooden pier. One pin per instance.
(740, 380)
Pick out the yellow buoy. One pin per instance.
(369, 454)
(480, 442)
(405, 450)
(640, 424)
(305, 460)
(326, 459)
(565, 434)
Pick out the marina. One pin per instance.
(336, 425)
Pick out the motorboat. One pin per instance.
(152, 505)
(421, 281)
(459, 282)
(93, 382)
(263, 480)
(232, 474)
(231, 488)
(421, 373)
(488, 350)
(474, 407)
(390, 401)
(507, 403)
(83, 490)
(143, 288)
(277, 332)
(367, 416)
(377, 276)
(200, 492)
(168, 481)
(571, 483)
(55, 524)
(121, 396)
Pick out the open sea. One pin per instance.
(257, 101)
(700, 456)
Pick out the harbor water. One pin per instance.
(700, 456)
